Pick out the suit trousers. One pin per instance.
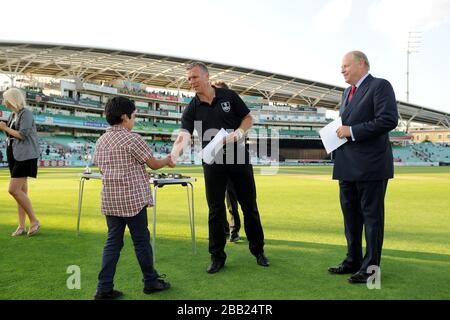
(241, 175)
(362, 204)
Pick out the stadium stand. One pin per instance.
(406, 154)
(2, 149)
(77, 151)
(69, 112)
(433, 152)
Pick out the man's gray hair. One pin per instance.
(358, 55)
(194, 64)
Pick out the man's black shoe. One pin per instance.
(110, 295)
(359, 277)
(234, 237)
(342, 269)
(158, 285)
(262, 260)
(215, 266)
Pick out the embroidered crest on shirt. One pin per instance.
(226, 106)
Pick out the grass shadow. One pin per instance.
(35, 268)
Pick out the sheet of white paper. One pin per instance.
(213, 147)
(329, 136)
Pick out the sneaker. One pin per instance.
(110, 295)
(159, 284)
(235, 237)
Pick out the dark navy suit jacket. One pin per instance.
(372, 113)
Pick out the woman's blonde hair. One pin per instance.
(15, 97)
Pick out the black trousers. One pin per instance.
(233, 211)
(362, 204)
(241, 175)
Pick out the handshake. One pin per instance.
(156, 164)
(184, 139)
(169, 161)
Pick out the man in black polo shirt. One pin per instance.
(232, 228)
(210, 110)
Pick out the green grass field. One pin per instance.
(303, 228)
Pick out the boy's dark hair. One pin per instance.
(116, 107)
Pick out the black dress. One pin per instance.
(19, 169)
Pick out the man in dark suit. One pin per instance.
(364, 164)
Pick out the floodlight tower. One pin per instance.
(414, 43)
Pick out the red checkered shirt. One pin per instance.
(121, 156)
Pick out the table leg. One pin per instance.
(191, 214)
(80, 200)
(155, 187)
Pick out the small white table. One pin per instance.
(157, 183)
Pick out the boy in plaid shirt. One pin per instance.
(122, 157)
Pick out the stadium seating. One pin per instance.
(2, 147)
(405, 154)
(77, 151)
(433, 152)
(422, 152)
(304, 133)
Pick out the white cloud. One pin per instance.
(397, 17)
(333, 15)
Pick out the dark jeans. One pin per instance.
(138, 226)
(241, 175)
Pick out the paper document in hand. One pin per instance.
(329, 136)
(210, 151)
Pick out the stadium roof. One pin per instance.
(96, 64)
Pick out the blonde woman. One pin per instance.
(22, 153)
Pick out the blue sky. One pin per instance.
(306, 39)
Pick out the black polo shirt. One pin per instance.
(226, 111)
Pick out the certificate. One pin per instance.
(214, 146)
(329, 136)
